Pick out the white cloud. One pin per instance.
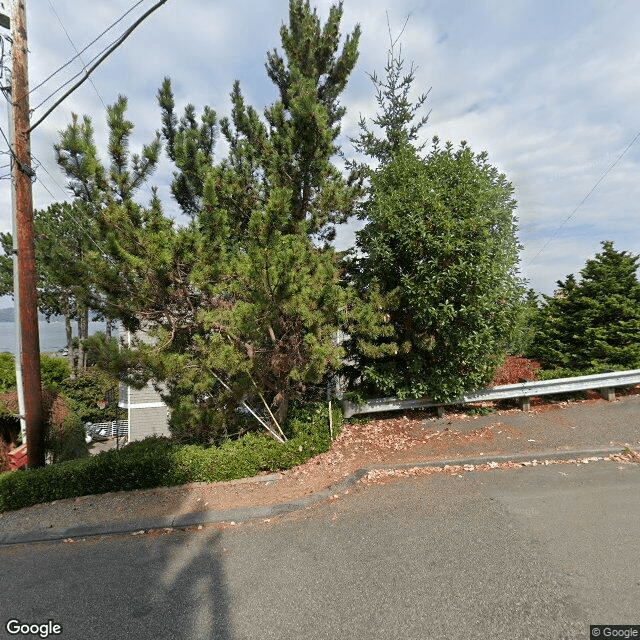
(548, 89)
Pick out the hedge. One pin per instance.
(160, 462)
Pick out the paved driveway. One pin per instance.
(540, 552)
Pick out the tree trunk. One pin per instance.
(282, 407)
(108, 329)
(83, 334)
(80, 347)
(69, 331)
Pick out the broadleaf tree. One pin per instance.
(436, 261)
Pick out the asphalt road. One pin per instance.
(540, 552)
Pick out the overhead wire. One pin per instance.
(66, 64)
(70, 80)
(41, 165)
(81, 226)
(84, 66)
(103, 57)
(575, 210)
(34, 159)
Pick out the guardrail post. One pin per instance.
(348, 409)
(608, 393)
(525, 404)
(440, 410)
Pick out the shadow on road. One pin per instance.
(194, 573)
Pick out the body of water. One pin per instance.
(53, 336)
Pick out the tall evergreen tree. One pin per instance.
(436, 263)
(61, 245)
(270, 297)
(293, 150)
(593, 322)
(62, 233)
(242, 302)
(105, 202)
(89, 179)
(398, 122)
(190, 146)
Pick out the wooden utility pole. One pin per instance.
(28, 302)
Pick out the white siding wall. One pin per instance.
(147, 414)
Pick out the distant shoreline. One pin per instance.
(53, 336)
(7, 315)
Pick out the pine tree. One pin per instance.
(89, 180)
(190, 145)
(99, 191)
(270, 297)
(61, 244)
(62, 233)
(293, 150)
(398, 122)
(593, 322)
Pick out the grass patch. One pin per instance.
(160, 462)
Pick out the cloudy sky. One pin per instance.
(549, 89)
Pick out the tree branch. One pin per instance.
(89, 71)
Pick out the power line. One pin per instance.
(44, 186)
(84, 66)
(66, 64)
(40, 165)
(595, 186)
(6, 140)
(26, 170)
(120, 40)
(80, 225)
(43, 166)
(70, 80)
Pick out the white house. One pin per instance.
(147, 414)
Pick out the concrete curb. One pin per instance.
(246, 514)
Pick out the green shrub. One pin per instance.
(141, 465)
(54, 371)
(7, 372)
(559, 372)
(157, 462)
(86, 390)
(197, 462)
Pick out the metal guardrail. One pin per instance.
(605, 382)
